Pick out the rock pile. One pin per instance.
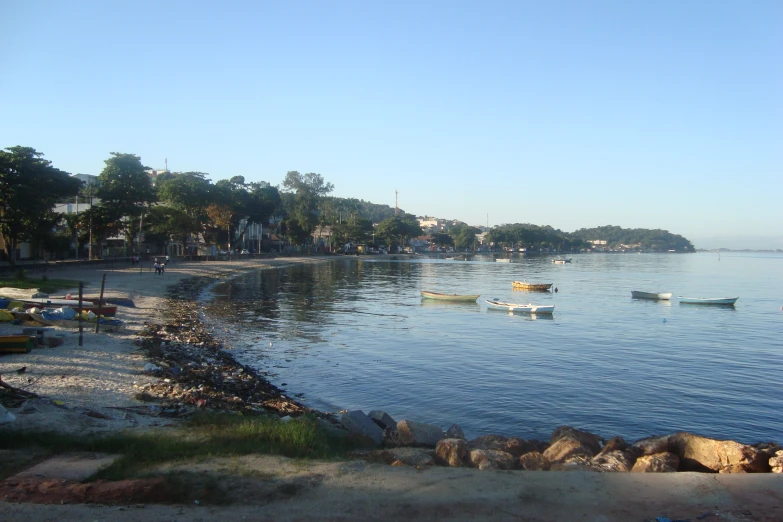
(194, 371)
(418, 444)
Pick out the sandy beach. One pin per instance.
(107, 370)
(92, 388)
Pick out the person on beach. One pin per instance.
(156, 266)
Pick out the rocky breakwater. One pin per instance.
(195, 372)
(419, 444)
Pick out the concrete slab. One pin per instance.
(74, 466)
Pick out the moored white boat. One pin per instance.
(708, 300)
(503, 260)
(461, 298)
(561, 260)
(635, 294)
(522, 308)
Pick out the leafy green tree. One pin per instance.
(397, 229)
(262, 202)
(186, 191)
(125, 188)
(464, 236)
(442, 239)
(307, 190)
(29, 189)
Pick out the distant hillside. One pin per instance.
(641, 238)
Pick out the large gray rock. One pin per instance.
(391, 438)
(451, 452)
(566, 448)
(586, 439)
(534, 461)
(514, 446)
(698, 453)
(653, 445)
(332, 429)
(419, 434)
(382, 419)
(360, 424)
(656, 463)
(491, 459)
(616, 455)
(615, 460)
(455, 432)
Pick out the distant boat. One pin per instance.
(561, 260)
(709, 300)
(523, 308)
(537, 287)
(457, 298)
(635, 294)
(503, 260)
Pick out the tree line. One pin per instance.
(127, 202)
(176, 206)
(616, 238)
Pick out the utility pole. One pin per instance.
(76, 230)
(395, 202)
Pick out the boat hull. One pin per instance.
(726, 301)
(453, 298)
(520, 308)
(106, 310)
(649, 295)
(537, 287)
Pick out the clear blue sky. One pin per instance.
(574, 114)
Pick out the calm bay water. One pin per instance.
(355, 334)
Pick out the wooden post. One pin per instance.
(79, 311)
(100, 305)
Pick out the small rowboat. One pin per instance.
(709, 300)
(561, 260)
(521, 308)
(503, 260)
(537, 287)
(456, 298)
(649, 295)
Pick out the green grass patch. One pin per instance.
(207, 435)
(43, 284)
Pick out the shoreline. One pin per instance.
(160, 311)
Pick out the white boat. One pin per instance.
(561, 260)
(522, 308)
(635, 294)
(709, 300)
(503, 260)
(449, 297)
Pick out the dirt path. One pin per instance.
(275, 488)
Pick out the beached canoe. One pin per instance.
(709, 300)
(521, 308)
(524, 285)
(635, 294)
(106, 310)
(456, 298)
